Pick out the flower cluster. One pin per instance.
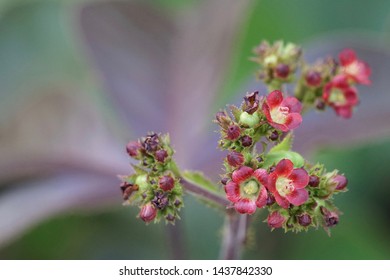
(153, 186)
(296, 194)
(278, 62)
(332, 83)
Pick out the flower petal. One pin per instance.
(344, 111)
(293, 120)
(298, 197)
(261, 175)
(299, 178)
(351, 96)
(281, 127)
(293, 104)
(232, 191)
(245, 206)
(275, 220)
(241, 174)
(262, 198)
(284, 168)
(271, 184)
(347, 56)
(274, 99)
(284, 203)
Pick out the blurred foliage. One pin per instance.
(39, 44)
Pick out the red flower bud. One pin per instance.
(160, 200)
(282, 71)
(170, 217)
(223, 119)
(151, 142)
(304, 220)
(148, 213)
(235, 159)
(313, 78)
(275, 220)
(224, 181)
(128, 189)
(314, 181)
(331, 219)
(274, 136)
(270, 199)
(341, 182)
(161, 155)
(251, 102)
(246, 141)
(166, 183)
(233, 132)
(133, 148)
(320, 104)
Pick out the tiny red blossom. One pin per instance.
(247, 189)
(341, 96)
(356, 70)
(282, 113)
(288, 184)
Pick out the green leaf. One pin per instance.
(274, 157)
(285, 145)
(198, 178)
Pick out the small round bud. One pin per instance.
(161, 155)
(166, 183)
(270, 199)
(177, 203)
(313, 78)
(314, 181)
(233, 132)
(133, 148)
(224, 181)
(127, 190)
(272, 169)
(251, 102)
(320, 104)
(274, 136)
(235, 159)
(170, 217)
(275, 220)
(282, 70)
(148, 213)
(260, 159)
(160, 201)
(304, 220)
(249, 120)
(246, 141)
(142, 181)
(341, 181)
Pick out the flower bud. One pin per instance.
(341, 182)
(275, 220)
(304, 220)
(313, 78)
(177, 203)
(166, 183)
(235, 159)
(270, 199)
(142, 182)
(274, 136)
(148, 213)
(233, 132)
(249, 120)
(224, 181)
(161, 155)
(320, 104)
(314, 181)
(133, 148)
(282, 71)
(160, 200)
(246, 141)
(170, 217)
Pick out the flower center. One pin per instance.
(352, 69)
(279, 114)
(251, 187)
(337, 97)
(284, 186)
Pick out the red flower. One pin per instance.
(355, 69)
(288, 184)
(341, 96)
(247, 189)
(282, 113)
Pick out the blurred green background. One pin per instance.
(40, 44)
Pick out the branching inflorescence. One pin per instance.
(260, 169)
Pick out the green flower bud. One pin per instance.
(249, 120)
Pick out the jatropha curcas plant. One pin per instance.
(261, 171)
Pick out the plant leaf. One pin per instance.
(284, 145)
(198, 178)
(274, 157)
